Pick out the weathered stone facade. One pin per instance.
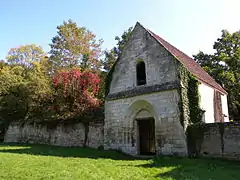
(161, 66)
(158, 99)
(62, 135)
(121, 131)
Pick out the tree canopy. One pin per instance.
(25, 55)
(224, 67)
(75, 46)
(57, 89)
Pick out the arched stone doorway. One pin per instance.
(142, 117)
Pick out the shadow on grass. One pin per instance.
(204, 168)
(45, 150)
(179, 168)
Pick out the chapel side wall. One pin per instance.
(161, 67)
(225, 107)
(207, 102)
(120, 131)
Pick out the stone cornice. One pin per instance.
(141, 90)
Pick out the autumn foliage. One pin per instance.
(79, 89)
(75, 46)
(59, 87)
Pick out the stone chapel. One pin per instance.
(142, 114)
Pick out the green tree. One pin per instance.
(224, 67)
(22, 91)
(2, 64)
(24, 84)
(13, 97)
(75, 46)
(26, 54)
(40, 90)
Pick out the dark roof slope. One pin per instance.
(189, 63)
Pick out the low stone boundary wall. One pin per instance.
(215, 140)
(62, 135)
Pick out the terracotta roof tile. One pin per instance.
(189, 63)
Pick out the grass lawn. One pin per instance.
(48, 162)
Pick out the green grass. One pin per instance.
(48, 162)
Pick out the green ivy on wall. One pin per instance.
(191, 112)
(189, 106)
(194, 100)
(183, 103)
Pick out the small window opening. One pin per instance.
(141, 73)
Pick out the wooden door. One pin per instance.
(146, 131)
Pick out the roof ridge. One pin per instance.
(188, 62)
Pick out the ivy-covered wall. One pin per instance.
(189, 104)
(190, 110)
(183, 91)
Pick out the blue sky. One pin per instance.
(190, 25)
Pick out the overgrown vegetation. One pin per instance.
(224, 67)
(61, 89)
(190, 109)
(46, 162)
(68, 86)
(191, 112)
(194, 100)
(184, 101)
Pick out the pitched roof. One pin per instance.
(189, 63)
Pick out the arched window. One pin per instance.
(141, 73)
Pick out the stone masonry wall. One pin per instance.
(62, 135)
(159, 97)
(121, 132)
(160, 64)
(221, 140)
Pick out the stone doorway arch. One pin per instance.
(142, 118)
